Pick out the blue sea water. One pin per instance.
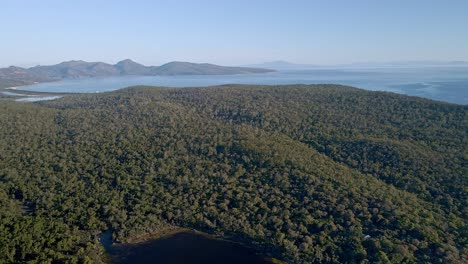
(449, 84)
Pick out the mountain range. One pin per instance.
(81, 69)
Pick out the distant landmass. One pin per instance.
(285, 65)
(82, 69)
(422, 63)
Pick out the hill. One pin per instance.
(13, 76)
(82, 69)
(307, 174)
(75, 69)
(129, 67)
(187, 68)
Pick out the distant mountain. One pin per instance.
(14, 72)
(188, 68)
(82, 69)
(283, 65)
(13, 76)
(75, 69)
(129, 67)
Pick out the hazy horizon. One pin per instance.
(233, 32)
(259, 64)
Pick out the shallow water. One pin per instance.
(183, 247)
(15, 94)
(38, 98)
(449, 84)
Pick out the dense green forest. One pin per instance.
(307, 174)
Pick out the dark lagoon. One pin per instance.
(185, 247)
(449, 84)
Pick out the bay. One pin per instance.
(449, 84)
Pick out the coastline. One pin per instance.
(16, 93)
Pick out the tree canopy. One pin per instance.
(307, 174)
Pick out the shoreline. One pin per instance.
(16, 92)
(152, 236)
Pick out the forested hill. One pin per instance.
(307, 174)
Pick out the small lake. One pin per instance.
(449, 84)
(181, 248)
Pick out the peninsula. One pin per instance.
(17, 76)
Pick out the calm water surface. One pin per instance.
(181, 248)
(37, 98)
(30, 97)
(449, 84)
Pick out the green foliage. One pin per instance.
(307, 174)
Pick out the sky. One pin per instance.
(237, 32)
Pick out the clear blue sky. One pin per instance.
(232, 32)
